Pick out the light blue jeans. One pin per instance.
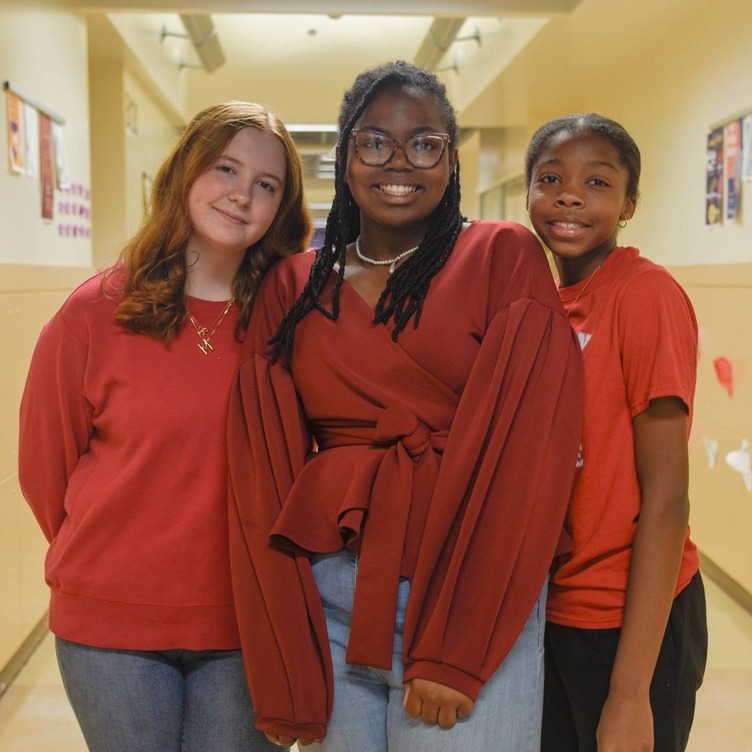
(368, 714)
(160, 701)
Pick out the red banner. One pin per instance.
(47, 164)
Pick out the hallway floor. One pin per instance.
(35, 715)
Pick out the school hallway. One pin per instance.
(116, 82)
(35, 715)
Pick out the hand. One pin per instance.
(288, 741)
(626, 725)
(436, 703)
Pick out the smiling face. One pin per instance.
(233, 203)
(576, 199)
(397, 194)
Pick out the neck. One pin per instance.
(574, 270)
(386, 243)
(210, 278)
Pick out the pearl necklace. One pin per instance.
(392, 262)
(205, 333)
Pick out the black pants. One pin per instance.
(578, 669)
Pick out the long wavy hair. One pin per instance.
(151, 268)
(406, 289)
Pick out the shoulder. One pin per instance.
(511, 261)
(287, 276)
(92, 291)
(649, 302)
(503, 247)
(93, 301)
(643, 282)
(292, 267)
(280, 288)
(511, 237)
(507, 242)
(89, 307)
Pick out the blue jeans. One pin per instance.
(160, 701)
(368, 715)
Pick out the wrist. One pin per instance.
(629, 687)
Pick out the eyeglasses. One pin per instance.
(422, 151)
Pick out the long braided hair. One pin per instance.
(406, 289)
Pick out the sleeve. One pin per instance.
(280, 616)
(55, 423)
(658, 340)
(498, 509)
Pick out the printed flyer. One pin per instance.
(732, 140)
(714, 178)
(16, 144)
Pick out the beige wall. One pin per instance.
(149, 139)
(721, 506)
(668, 70)
(43, 53)
(29, 295)
(133, 128)
(108, 178)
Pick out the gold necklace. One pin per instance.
(579, 294)
(205, 333)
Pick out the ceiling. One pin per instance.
(382, 7)
(299, 56)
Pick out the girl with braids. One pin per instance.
(123, 444)
(390, 585)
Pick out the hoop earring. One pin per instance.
(623, 223)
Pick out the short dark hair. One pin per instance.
(609, 130)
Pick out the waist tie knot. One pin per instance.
(397, 423)
(406, 440)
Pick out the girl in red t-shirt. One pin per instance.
(626, 635)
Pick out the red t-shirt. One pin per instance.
(638, 332)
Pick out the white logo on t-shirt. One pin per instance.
(584, 338)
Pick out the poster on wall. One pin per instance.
(31, 129)
(74, 212)
(62, 173)
(732, 147)
(714, 178)
(45, 159)
(16, 147)
(747, 148)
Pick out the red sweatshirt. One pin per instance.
(122, 459)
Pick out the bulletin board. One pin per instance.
(37, 153)
(728, 165)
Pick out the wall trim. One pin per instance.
(725, 582)
(24, 278)
(19, 659)
(713, 275)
